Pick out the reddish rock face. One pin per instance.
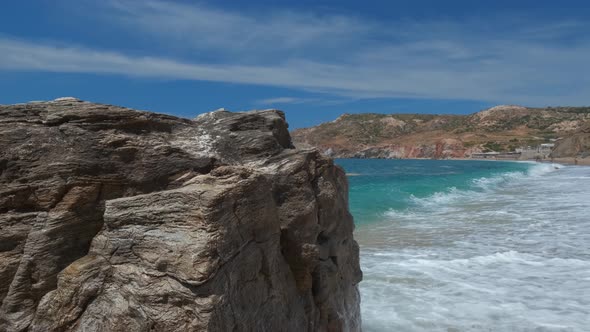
(503, 128)
(113, 219)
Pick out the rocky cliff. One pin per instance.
(113, 219)
(575, 145)
(500, 128)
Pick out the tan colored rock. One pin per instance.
(576, 145)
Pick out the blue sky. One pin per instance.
(313, 59)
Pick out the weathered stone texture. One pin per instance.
(113, 219)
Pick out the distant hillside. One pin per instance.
(574, 145)
(500, 128)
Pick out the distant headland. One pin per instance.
(502, 132)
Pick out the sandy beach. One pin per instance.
(572, 161)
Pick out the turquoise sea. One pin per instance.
(472, 245)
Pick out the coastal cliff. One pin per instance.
(113, 219)
(500, 128)
(576, 145)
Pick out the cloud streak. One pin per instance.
(264, 34)
(523, 63)
(321, 101)
(285, 100)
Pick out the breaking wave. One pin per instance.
(502, 251)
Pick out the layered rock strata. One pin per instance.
(113, 219)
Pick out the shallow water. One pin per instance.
(472, 245)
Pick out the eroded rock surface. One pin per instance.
(576, 145)
(113, 219)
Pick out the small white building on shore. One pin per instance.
(485, 155)
(541, 151)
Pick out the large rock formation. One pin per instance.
(113, 219)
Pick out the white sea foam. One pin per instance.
(479, 185)
(542, 169)
(512, 253)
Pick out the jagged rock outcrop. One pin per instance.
(113, 219)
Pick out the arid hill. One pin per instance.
(500, 128)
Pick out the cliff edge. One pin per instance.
(112, 219)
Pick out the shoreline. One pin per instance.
(570, 161)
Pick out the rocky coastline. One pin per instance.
(502, 129)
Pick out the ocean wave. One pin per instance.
(507, 257)
(439, 202)
(541, 169)
(482, 199)
(441, 197)
(502, 252)
(399, 214)
(480, 186)
(488, 183)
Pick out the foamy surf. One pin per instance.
(478, 189)
(508, 251)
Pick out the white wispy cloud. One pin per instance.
(284, 100)
(511, 61)
(318, 101)
(260, 33)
